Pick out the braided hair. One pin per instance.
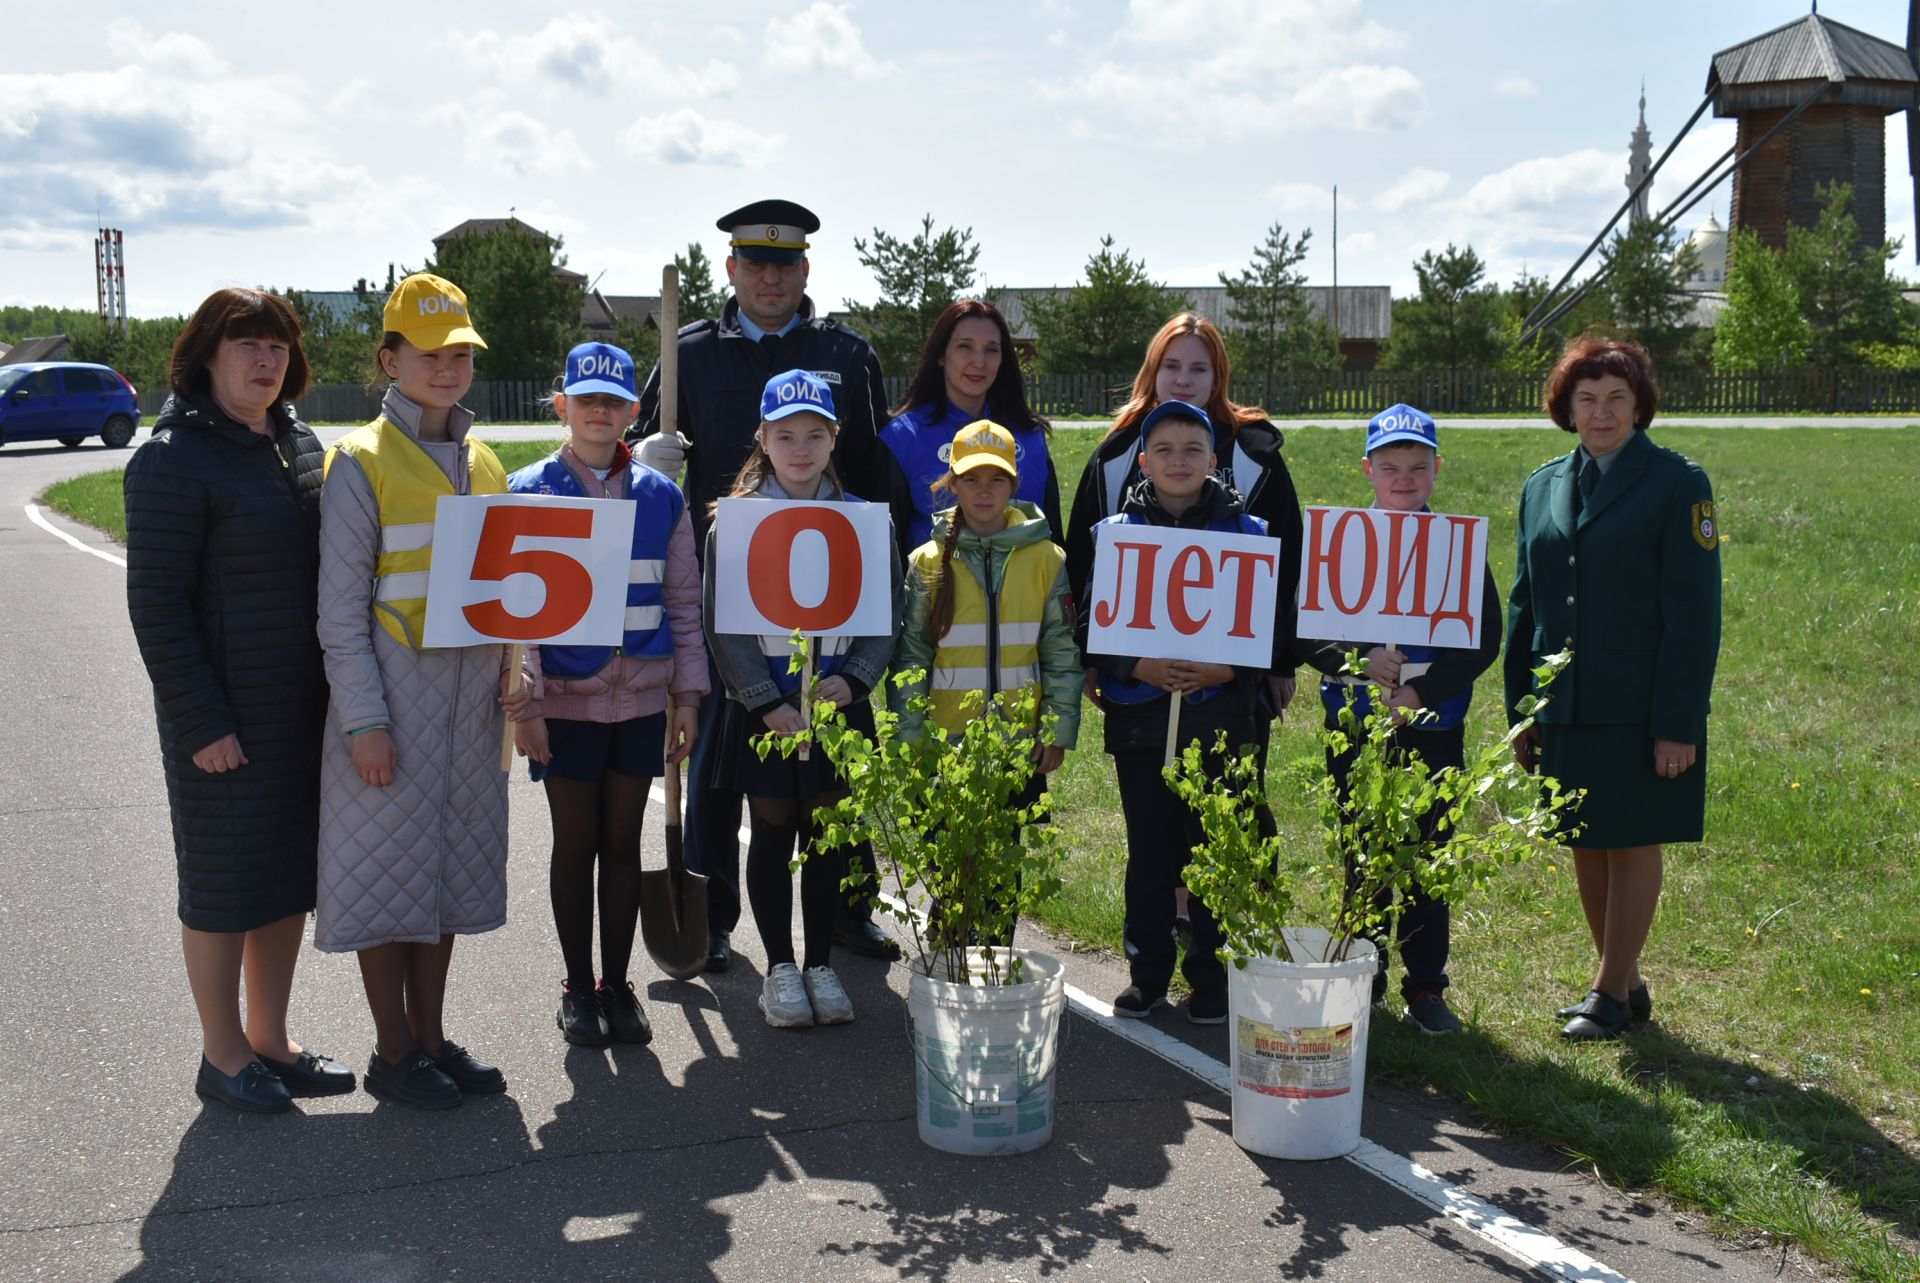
(940, 609)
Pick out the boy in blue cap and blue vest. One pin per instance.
(1402, 463)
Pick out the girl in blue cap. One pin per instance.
(605, 721)
(791, 459)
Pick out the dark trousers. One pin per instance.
(711, 834)
(1161, 834)
(1426, 924)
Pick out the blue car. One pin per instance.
(66, 401)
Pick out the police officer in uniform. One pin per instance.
(768, 327)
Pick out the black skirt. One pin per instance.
(585, 751)
(1627, 803)
(737, 767)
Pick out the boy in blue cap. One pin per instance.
(1402, 463)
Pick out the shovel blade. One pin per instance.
(673, 916)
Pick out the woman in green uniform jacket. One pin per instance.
(1619, 562)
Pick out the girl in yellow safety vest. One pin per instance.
(986, 607)
(413, 803)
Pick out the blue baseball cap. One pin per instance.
(1399, 423)
(1174, 410)
(796, 392)
(600, 367)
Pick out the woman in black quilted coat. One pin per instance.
(223, 526)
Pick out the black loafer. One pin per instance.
(581, 1021)
(415, 1081)
(473, 1077)
(254, 1090)
(1639, 1006)
(1599, 1018)
(865, 938)
(309, 1074)
(719, 952)
(626, 1018)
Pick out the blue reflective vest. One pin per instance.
(1447, 714)
(1124, 690)
(921, 438)
(658, 504)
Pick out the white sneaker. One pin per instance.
(830, 1003)
(783, 998)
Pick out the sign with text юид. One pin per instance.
(1161, 593)
(533, 569)
(824, 569)
(1393, 578)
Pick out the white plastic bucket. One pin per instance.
(1299, 1037)
(984, 1058)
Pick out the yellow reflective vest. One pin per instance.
(407, 484)
(1001, 587)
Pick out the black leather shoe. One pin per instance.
(864, 937)
(254, 1090)
(581, 1021)
(1599, 1018)
(1639, 1006)
(719, 952)
(415, 1081)
(473, 1077)
(309, 1074)
(626, 1018)
(1207, 1006)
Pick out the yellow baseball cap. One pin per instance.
(983, 444)
(430, 312)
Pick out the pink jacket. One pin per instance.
(628, 687)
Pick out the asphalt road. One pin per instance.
(725, 1150)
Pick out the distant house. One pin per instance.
(599, 312)
(488, 226)
(1365, 314)
(53, 347)
(343, 306)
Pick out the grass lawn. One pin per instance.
(1779, 1090)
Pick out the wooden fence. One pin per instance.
(1350, 392)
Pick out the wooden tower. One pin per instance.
(1842, 84)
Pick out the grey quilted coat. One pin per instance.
(427, 855)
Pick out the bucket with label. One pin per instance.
(1299, 1048)
(984, 1056)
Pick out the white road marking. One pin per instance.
(33, 515)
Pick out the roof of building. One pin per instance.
(1366, 311)
(52, 347)
(599, 311)
(488, 226)
(1778, 68)
(341, 305)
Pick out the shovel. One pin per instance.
(673, 902)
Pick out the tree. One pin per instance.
(1103, 325)
(338, 349)
(1643, 268)
(529, 316)
(143, 352)
(1453, 323)
(1846, 296)
(1273, 333)
(918, 277)
(700, 298)
(1762, 327)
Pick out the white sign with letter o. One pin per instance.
(823, 569)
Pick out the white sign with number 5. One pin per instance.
(534, 569)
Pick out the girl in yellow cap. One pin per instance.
(413, 807)
(986, 607)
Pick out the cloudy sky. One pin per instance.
(308, 145)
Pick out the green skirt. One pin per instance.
(1626, 803)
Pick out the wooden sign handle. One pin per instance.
(516, 656)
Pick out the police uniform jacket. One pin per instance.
(1631, 586)
(723, 372)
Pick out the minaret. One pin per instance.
(1639, 160)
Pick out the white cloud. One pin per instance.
(685, 137)
(1244, 67)
(823, 38)
(1546, 181)
(584, 52)
(1300, 198)
(1418, 186)
(1513, 84)
(523, 144)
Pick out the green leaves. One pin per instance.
(1482, 817)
